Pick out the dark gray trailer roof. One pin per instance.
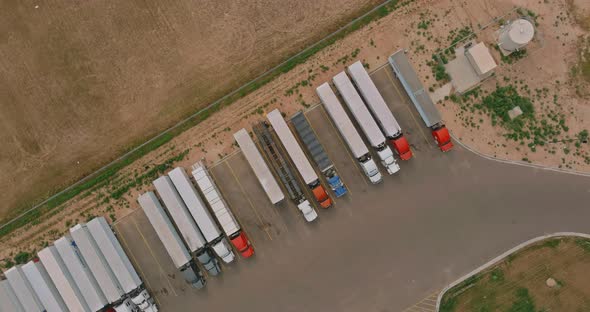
(409, 79)
(315, 148)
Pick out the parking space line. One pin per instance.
(134, 260)
(325, 150)
(249, 201)
(407, 106)
(427, 304)
(154, 256)
(343, 144)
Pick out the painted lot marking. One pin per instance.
(427, 304)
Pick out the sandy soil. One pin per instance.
(82, 82)
(212, 139)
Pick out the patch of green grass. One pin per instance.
(22, 257)
(584, 244)
(109, 172)
(497, 275)
(524, 302)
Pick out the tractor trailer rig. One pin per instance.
(298, 158)
(318, 154)
(261, 170)
(221, 210)
(381, 112)
(186, 224)
(365, 120)
(419, 96)
(201, 215)
(121, 267)
(171, 240)
(44, 287)
(23, 289)
(280, 165)
(351, 136)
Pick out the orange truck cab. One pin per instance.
(442, 137)
(321, 196)
(402, 147)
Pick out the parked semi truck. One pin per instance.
(351, 136)
(8, 299)
(63, 280)
(186, 224)
(201, 215)
(261, 170)
(78, 268)
(283, 170)
(298, 157)
(318, 154)
(170, 239)
(23, 289)
(407, 75)
(221, 210)
(365, 120)
(121, 267)
(43, 286)
(381, 112)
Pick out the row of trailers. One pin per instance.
(365, 103)
(84, 271)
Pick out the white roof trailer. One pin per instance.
(179, 213)
(343, 123)
(293, 149)
(374, 100)
(63, 280)
(44, 286)
(97, 263)
(260, 168)
(8, 300)
(163, 226)
(114, 254)
(23, 290)
(226, 219)
(80, 272)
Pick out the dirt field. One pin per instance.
(81, 82)
(294, 90)
(519, 284)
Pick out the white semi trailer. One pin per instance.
(201, 215)
(221, 210)
(43, 286)
(260, 168)
(23, 290)
(351, 136)
(365, 120)
(8, 300)
(78, 268)
(380, 110)
(63, 280)
(170, 239)
(121, 267)
(186, 224)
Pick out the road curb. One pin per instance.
(502, 256)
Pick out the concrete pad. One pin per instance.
(463, 76)
(442, 92)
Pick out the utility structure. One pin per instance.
(419, 96)
(317, 153)
(298, 158)
(515, 35)
(185, 223)
(380, 110)
(201, 215)
(169, 237)
(261, 170)
(221, 210)
(351, 136)
(366, 122)
(281, 167)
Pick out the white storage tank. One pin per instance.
(516, 35)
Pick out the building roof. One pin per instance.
(481, 58)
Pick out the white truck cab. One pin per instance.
(388, 161)
(308, 212)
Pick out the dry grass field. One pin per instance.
(82, 81)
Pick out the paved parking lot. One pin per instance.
(380, 248)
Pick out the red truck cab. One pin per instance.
(243, 245)
(322, 196)
(402, 147)
(442, 137)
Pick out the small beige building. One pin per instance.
(481, 59)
